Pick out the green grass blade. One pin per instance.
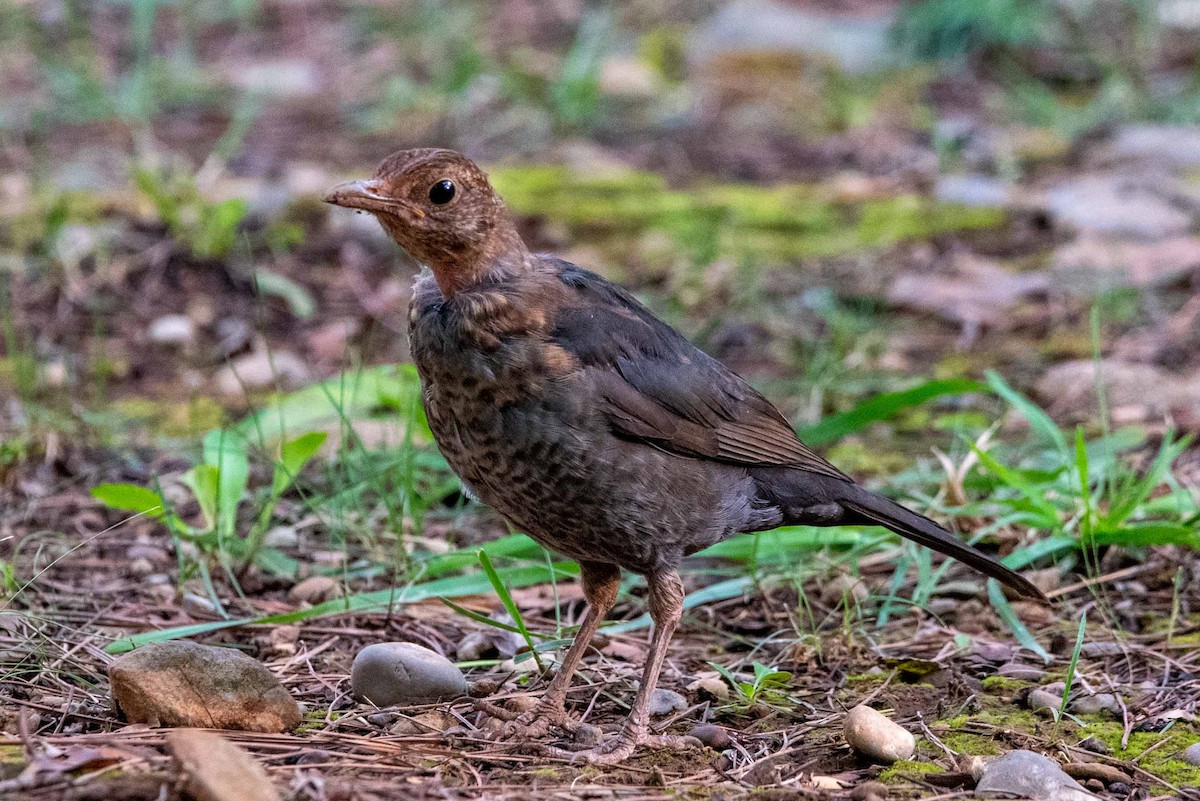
(1009, 616)
(1062, 707)
(378, 600)
(1039, 421)
(509, 604)
(881, 407)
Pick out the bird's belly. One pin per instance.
(556, 472)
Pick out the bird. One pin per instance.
(592, 425)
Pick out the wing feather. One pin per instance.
(657, 387)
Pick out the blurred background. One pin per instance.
(954, 240)
(836, 197)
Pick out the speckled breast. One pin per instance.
(526, 437)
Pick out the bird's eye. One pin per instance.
(442, 192)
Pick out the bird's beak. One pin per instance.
(368, 196)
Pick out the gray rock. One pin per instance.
(664, 702)
(172, 329)
(261, 369)
(1043, 698)
(184, 683)
(1191, 754)
(1025, 774)
(972, 190)
(282, 537)
(390, 673)
(872, 734)
(1115, 205)
(1170, 144)
(1095, 704)
(855, 43)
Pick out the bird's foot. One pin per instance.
(535, 722)
(622, 745)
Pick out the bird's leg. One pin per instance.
(666, 607)
(600, 584)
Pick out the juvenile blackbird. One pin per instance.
(590, 424)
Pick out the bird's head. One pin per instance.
(439, 206)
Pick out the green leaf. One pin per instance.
(327, 404)
(202, 480)
(881, 407)
(131, 498)
(226, 452)
(292, 458)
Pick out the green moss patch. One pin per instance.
(739, 222)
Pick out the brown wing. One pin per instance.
(657, 387)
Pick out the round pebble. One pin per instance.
(713, 736)
(1095, 704)
(172, 329)
(1041, 698)
(873, 735)
(1191, 754)
(664, 702)
(390, 673)
(315, 590)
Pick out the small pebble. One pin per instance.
(141, 567)
(874, 735)
(1094, 745)
(391, 673)
(315, 590)
(1119, 788)
(828, 783)
(870, 791)
(1041, 698)
(198, 604)
(664, 702)
(1016, 670)
(282, 537)
(382, 720)
(1095, 704)
(713, 736)
(172, 329)
(710, 686)
(1191, 754)
(1096, 649)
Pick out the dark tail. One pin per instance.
(880, 511)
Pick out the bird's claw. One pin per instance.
(532, 723)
